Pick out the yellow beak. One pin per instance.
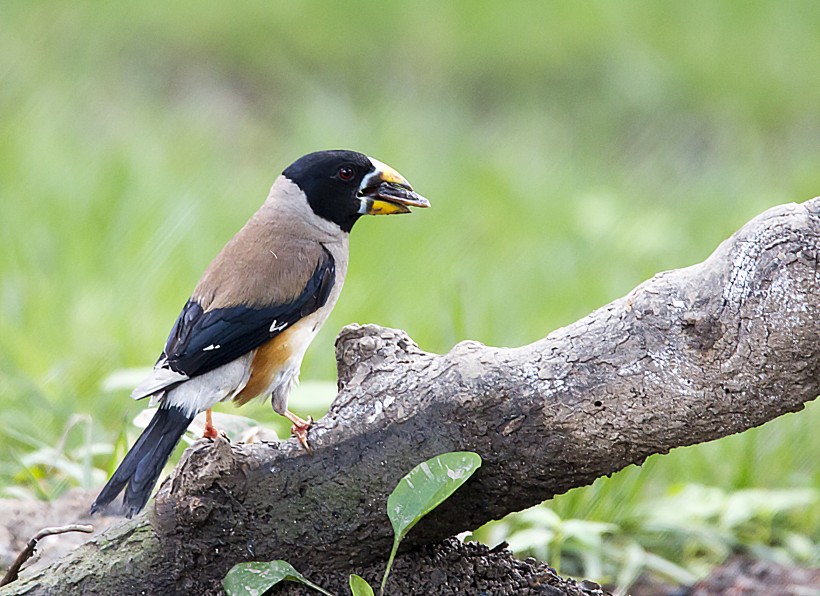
(385, 192)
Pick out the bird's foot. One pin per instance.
(300, 428)
(210, 431)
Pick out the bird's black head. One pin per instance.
(341, 186)
(331, 182)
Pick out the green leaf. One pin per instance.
(254, 579)
(359, 587)
(426, 486)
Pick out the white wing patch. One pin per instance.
(276, 326)
(211, 347)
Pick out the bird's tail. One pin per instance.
(143, 464)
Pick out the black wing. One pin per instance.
(202, 341)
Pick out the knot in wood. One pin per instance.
(364, 344)
(702, 328)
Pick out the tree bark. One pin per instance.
(689, 356)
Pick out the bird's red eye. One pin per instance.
(346, 173)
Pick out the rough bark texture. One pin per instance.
(689, 356)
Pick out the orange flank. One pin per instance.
(267, 361)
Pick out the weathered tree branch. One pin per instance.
(689, 356)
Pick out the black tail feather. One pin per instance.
(142, 465)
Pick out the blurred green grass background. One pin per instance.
(570, 150)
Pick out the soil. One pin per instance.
(453, 567)
(747, 576)
(450, 567)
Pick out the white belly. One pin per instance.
(203, 391)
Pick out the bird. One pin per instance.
(248, 322)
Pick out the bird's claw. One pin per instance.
(210, 431)
(300, 430)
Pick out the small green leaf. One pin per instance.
(359, 587)
(254, 579)
(426, 486)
